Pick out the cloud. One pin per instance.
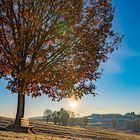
(116, 62)
(112, 66)
(125, 53)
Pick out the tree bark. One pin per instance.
(20, 109)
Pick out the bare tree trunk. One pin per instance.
(20, 109)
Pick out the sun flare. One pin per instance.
(73, 104)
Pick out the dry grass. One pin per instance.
(52, 132)
(23, 136)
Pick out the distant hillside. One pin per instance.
(129, 121)
(39, 118)
(46, 131)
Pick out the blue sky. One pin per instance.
(119, 86)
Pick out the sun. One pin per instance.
(73, 104)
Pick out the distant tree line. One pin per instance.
(63, 117)
(129, 121)
(80, 121)
(60, 117)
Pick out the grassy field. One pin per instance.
(46, 131)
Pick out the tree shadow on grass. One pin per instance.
(18, 129)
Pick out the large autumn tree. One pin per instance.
(54, 47)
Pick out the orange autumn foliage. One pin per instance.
(54, 47)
